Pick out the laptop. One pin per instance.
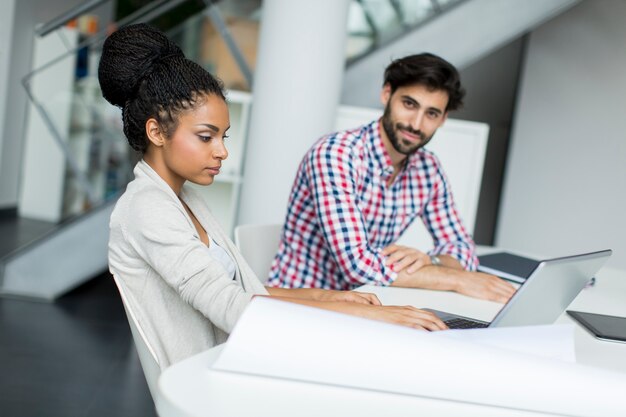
(545, 295)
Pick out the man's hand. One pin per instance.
(473, 284)
(485, 286)
(401, 257)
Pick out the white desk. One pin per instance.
(191, 388)
(607, 296)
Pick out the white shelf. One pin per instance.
(222, 196)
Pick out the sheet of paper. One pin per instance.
(555, 341)
(279, 339)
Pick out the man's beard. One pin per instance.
(401, 145)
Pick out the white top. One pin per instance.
(222, 257)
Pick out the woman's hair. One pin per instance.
(147, 76)
(430, 71)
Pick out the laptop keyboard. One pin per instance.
(459, 323)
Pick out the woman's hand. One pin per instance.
(347, 296)
(403, 257)
(360, 304)
(403, 315)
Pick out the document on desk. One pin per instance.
(278, 339)
(554, 341)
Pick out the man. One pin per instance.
(356, 192)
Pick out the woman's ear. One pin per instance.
(154, 133)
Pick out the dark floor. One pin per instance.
(73, 357)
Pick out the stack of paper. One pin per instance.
(285, 340)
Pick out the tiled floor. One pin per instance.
(74, 357)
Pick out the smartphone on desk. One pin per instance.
(603, 327)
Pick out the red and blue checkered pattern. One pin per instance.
(342, 213)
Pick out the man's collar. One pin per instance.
(381, 156)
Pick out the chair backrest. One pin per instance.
(147, 357)
(258, 244)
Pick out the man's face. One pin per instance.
(412, 116)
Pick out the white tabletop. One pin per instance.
(192, 388)
(607, 296)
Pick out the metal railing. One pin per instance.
(374, 23)
(88, 131)
(85, 128)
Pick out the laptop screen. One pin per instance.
(550, 288)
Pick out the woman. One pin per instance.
(185, 279)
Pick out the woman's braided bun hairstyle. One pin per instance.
(147, 76)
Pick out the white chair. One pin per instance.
(461, 147)
(258, 244)
(147, 357)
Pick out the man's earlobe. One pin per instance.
(385, 94)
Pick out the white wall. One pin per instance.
(492, 85)
(42, 157)
(6, 32)
(564, 188)
(10, 100)
(26, 15)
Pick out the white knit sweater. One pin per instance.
(183, 298)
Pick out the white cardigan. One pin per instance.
(183, 298)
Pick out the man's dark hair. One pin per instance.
(428, 70)
(147, 76)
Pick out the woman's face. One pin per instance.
(195, 151)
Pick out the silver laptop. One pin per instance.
(545, 295)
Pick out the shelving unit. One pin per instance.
(67, 90)
(222, 196)
(96, 141)
(93, 133)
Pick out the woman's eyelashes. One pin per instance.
(204, 138)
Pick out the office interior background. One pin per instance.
(547, 76)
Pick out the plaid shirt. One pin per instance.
(342, 213)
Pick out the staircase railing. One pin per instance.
(90, 145)
(374, 23)
(91, 153)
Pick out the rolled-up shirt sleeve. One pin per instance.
(442, 220)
